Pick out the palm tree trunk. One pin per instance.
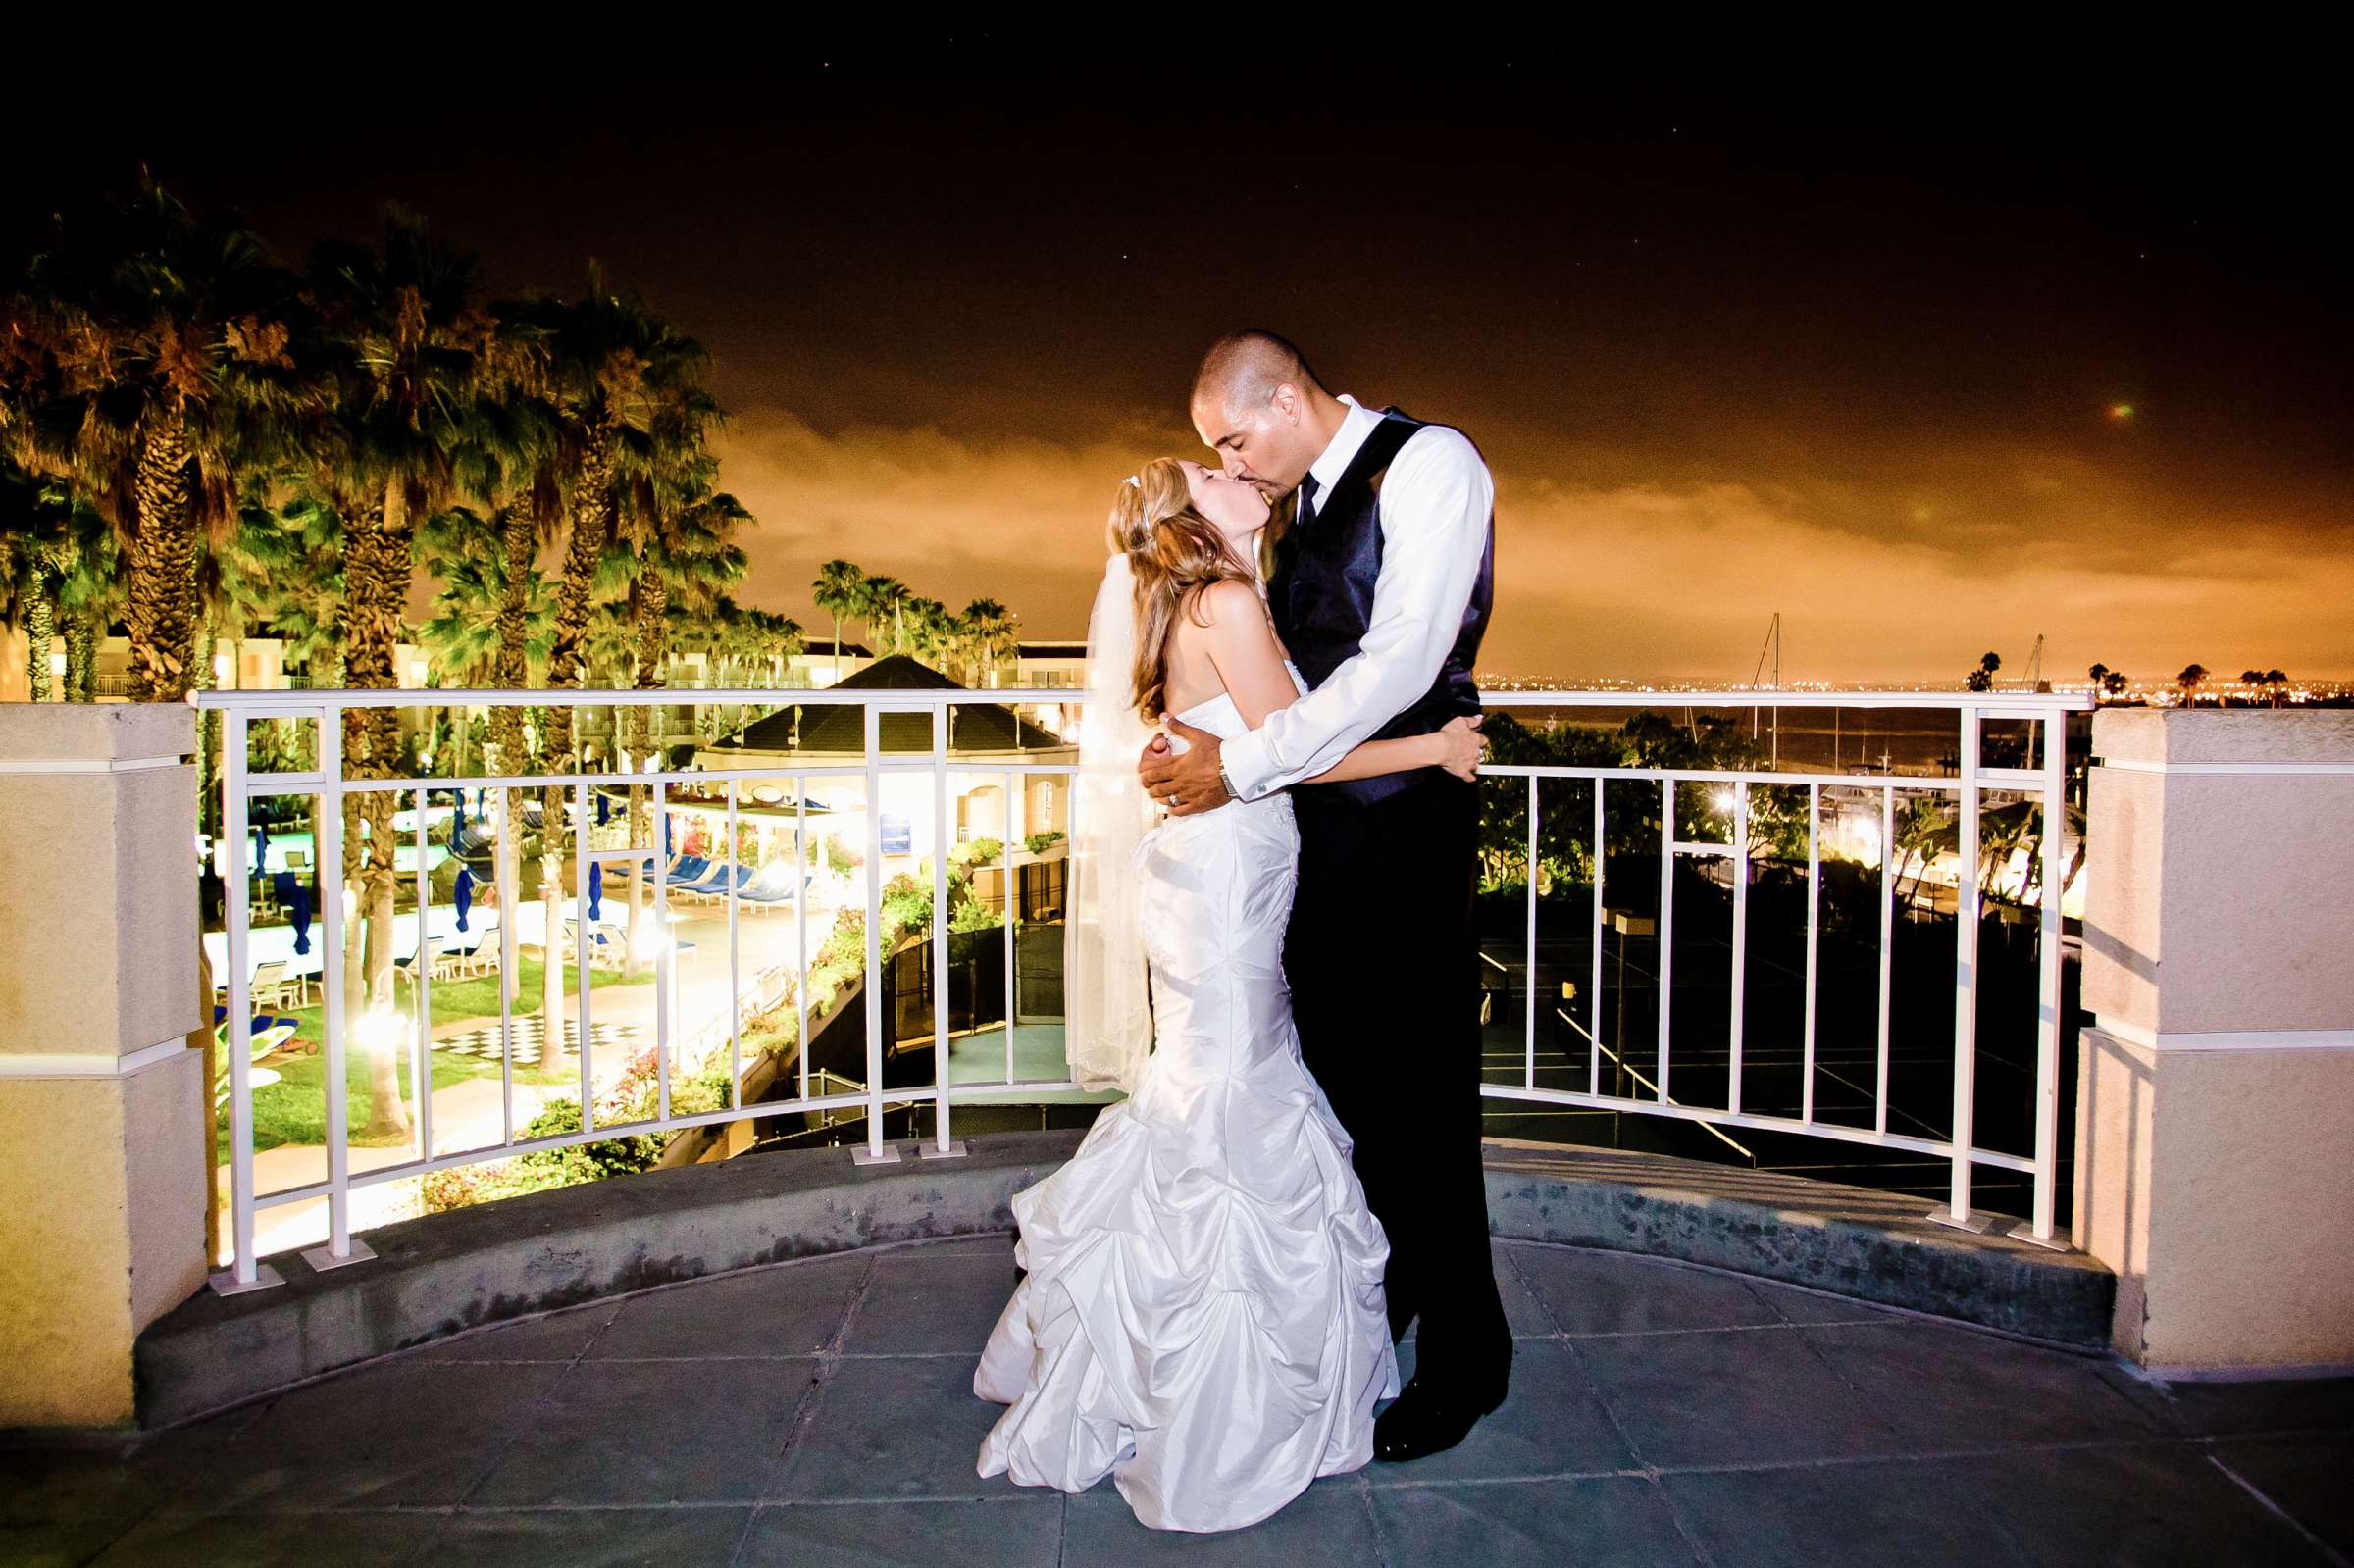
(519, 531)
(40, 630)
(163, 561)
(591, 527)
(81, 657)
(376, 566)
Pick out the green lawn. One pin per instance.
(293, 1110)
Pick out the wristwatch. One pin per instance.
(1227, 784)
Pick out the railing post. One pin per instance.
(1531, 1001)
(1957, 1212)
(421, 1046)
(1805, 1093)
(1880, 1095)
(1593, 957)
(2047, 980)
(1736, 1021)
(583, 947)
(876, 1152)
(1666, 965)
(246, 1271)
(942, 1146)
(340, 1249)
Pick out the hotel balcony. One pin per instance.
(1873, 1175)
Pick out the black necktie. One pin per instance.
(1307, 497)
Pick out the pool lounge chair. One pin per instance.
(687, 871)
(773, 889)
(715, 887)
(273, 986)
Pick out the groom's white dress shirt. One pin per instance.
(1435, 507)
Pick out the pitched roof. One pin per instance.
(841, 728)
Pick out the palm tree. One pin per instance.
(2277, 681)
(2115, 682)
(467, 556)
(837, 594)
(89, 597)
(35, 544)
(610, 371)
(397, 347)
(992, 629)
(2191, 680)
(880, 597)
(1982, 678)
(2100, 676)
(149, 368)
(930, 633)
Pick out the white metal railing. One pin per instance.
(241, 787)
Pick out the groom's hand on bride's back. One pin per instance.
(1185, 782)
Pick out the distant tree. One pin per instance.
(2276, 681)
(991, 628)
(2100, 676)
(1982, 678)
(880, 599)
(2114, 682)
(2191, 680)
(837, 594)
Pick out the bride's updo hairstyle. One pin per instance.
(1175, 554)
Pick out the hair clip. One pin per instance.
(1132, 480)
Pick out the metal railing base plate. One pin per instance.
(323, 1258)
(227, 1283)
(933, 1151)
(888, 1154)
(1974, 1221)
(2055, 1243)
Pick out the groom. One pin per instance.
(1379, 589)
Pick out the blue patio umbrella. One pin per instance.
(261, 848)
(299, 907)
(465, 894)
(596, 887)
(604, 808)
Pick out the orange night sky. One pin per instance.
(1857, 356)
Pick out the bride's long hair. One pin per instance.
(1176, 554)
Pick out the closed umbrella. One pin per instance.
(596, 888)
(299, 906)
(604, 808)
(465, 894)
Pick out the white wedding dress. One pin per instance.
(1202, 1318)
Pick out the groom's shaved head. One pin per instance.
(1258, 406)
(1242, 369)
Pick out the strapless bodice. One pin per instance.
(1220, 717)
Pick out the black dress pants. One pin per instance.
(1383, 967)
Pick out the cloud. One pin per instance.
(1902, 568)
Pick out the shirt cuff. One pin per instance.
(1247, 763)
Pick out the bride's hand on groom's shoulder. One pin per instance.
(1460, 746)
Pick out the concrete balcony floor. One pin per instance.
(822, 1413)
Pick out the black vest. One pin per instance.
(1321, 595)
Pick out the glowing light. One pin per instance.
(2119, 413)
(380, 1028)
(1725, 800)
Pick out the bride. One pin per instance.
(1201, 1317)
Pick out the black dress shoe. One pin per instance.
(1425, 1420)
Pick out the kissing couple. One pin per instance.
(1274, 835)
